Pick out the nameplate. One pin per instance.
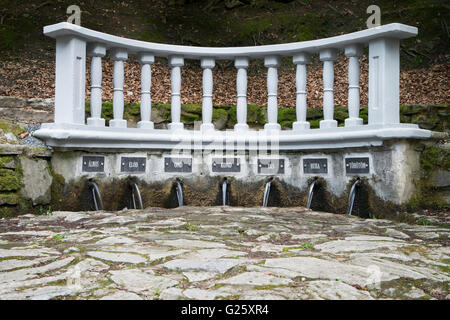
(270, 166)
(313, 166)
(93, 164)
(132, 164)
(357, 165)
(226, 165)
(177, 164)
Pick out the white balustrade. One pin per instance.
(69, 129)
(328, 56)
(176, 62)
(353, 52)
(207, 104)
(146, 59)
(384, 81)
(301, 60)
(241, 64)
(272, 63)
(118, 55)
(97, 52)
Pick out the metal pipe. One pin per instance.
(96, 194)
(179, 191)
(351, 197)
(134, 188)
(267, 193)
(311, 194)
(224, 192)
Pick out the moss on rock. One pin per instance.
(10, 180)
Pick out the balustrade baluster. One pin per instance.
(241, 63)
(353, 52)
(207, 105)
(97, 52)
(328, 56)
(146, 59)
(272, 63)
(118, 55)
(301, 60)
(176, 62)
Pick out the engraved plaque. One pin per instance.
(177, 164)
(270, 166)
(132, 164)
(357, 165)
(226, 165)
(315, 165)
(93, 164)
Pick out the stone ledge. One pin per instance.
(30, 151)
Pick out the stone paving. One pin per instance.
(220, 253)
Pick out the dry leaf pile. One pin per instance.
(35, 78)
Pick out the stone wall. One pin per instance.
(25, 179)
(430, 117)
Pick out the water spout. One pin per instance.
(96, 196)
(224, 192)
(266, 193)
(351, 197)
(311, 194)
(179, 191)
(135, 189)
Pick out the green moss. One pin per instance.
(219, 113)
(7, 126)
(432, 159)
(286, 116)
(6, 162)
(192, 108)
(56, 189)
(9, 198)
(10, 180)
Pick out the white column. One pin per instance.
(384, 81)
(272, 63)
(146, 59)
(176, 62)
(207, 105)
(118, 55)
(353, 52)
(70, 80)
(96, 51)
(301, 60)
(241, 63)
(328, 56)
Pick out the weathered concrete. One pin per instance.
(79, 256)
(388, 184)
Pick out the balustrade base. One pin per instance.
(241, 127)
(272, 126)
(352, 122)
(118, 123)
(175, 126)
(324, 124)
(300, 125)
(82, 136)
(96, 122)
(207, 127)
(145, 125)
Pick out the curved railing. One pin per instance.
(73, 43)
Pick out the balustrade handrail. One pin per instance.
(392, 30)
(74, 43)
